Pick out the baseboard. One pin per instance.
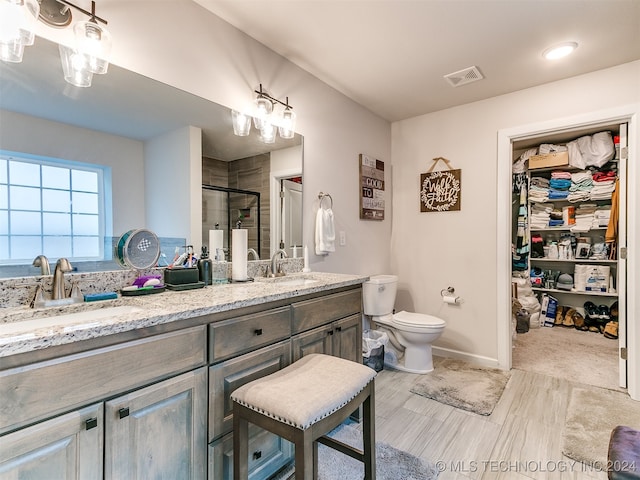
(465, 356)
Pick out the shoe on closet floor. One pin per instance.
(567, 321)
(611, 330)
(559, 315)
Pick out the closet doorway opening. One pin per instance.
(563, 349)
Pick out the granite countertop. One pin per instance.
(24, 329)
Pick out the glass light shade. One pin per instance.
(75, 67)
(94, 41)
(17, 27)
(264, 107)
(268, 133)
(241, 123)
(11, 51)
(287, 126)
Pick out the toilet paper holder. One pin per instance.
(446, 292)
(448, 296)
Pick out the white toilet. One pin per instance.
(410, 334)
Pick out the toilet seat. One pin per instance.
(418, 321)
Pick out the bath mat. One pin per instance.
(462, 385)
(391, 463)
(591, 416)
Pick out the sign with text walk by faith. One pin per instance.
(440, 191)
(371, 188)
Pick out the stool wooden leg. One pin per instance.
(304, 455)
(315, 459)
(369, 435)
(240, 447)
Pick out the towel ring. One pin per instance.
(321, 196)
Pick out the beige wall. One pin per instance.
(188, 47)
(432, 251)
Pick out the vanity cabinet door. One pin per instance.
(268, 454)
(347, 338)
(318, 340)
(159, 432)
(226, 376)
(68, 447)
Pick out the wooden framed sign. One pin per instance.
(371, 188)
(440, 191)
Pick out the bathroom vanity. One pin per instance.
(148, 388)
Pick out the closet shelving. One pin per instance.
(595, 234)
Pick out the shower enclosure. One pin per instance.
(223, 208)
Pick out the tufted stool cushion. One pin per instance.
(302, 403)
(299, 398)
(624, 454)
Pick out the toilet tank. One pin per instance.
(379, 294)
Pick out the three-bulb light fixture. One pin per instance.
(90, 52)
(265, 120)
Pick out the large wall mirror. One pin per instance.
(115, 125)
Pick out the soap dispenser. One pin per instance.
(205, 267)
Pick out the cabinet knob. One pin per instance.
(123, 412)
(338, 329)
(257, 455)
(91, 423)
(330, 332)
(258, 331)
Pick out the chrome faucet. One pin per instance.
(274, 263)
(253, 253)
(62, 266)
(42, 262)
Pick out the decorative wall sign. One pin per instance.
(371, 188)
(440, 191)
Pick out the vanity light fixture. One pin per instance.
(17, 27)
(559, 51)
(265, 120)
(92, 48)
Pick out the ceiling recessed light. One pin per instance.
(559, 51)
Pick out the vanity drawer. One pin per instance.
(268, 454)
(319, 311)
(40, 390)
(242, 334)
(226, 376)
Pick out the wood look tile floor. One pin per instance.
(521, 439)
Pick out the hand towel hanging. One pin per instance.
(325, 232)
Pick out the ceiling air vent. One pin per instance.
(462, 77)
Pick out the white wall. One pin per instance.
(431, 251)
(287, 159)
(36, 136)
(188, 47)
(173, 180)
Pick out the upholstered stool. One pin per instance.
(624, 453)
(302, 403)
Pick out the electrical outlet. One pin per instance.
(343, 238)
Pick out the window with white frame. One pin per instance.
(50, 207)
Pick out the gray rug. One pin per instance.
(591, 416)
(463, 385)
(391, 463)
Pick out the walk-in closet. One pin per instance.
(568, 245)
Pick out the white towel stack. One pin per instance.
(540, 213)
(584, 217)
(325, 232)
(601, 216)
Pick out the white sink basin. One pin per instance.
(69, 321)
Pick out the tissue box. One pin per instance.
(181, 275)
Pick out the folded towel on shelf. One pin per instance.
(325, 232)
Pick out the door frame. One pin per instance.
(624, 114)
(275, 210)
